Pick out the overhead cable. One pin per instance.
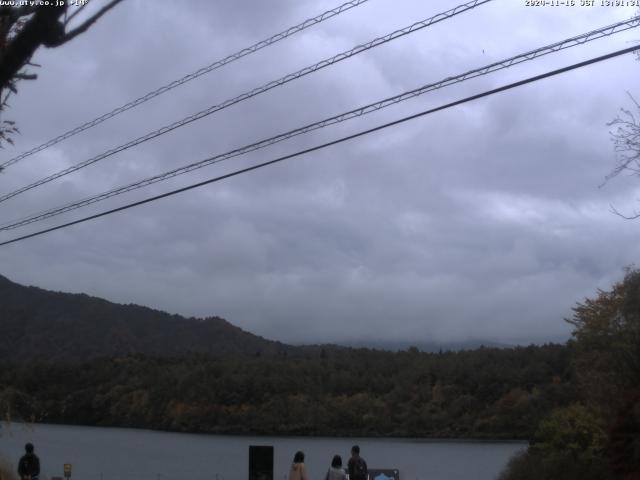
(333, 142)
(360, 111)
(187, 78)
(252, 93)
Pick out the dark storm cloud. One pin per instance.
(483, 221)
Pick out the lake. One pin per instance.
(127, 454)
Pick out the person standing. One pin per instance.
(298, 470)
(336, 472)
(357, 466)
(29, 464)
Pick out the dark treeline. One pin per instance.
(484, 393)
(37, 324)
(577, 404)
(597, 437)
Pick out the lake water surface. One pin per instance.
(125, 454)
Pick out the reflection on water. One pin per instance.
(125, 454)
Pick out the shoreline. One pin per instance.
(399, 439)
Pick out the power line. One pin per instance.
(333, 142)
(252, 93)
(363, 110)
(191, 76)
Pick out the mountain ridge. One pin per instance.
(39, 324)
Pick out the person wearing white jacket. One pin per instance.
(336, 472)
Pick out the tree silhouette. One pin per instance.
(25, 28)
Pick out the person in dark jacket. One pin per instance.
(357, 465)
(29, 465)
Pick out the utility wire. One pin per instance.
(187, 78)
(333, 142)
(252, 93)
(360, 111)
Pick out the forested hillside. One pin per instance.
(486, 393)
(39, 324)
(75, 359)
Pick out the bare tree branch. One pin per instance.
(25, 76)
(615, 211)
(43, 28)
(23, 30)
(76, 12)
(90, 21)
(17, 12)
(626, 141)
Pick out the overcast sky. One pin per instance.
(484, 221)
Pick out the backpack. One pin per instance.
(28, 465)
(359, 469)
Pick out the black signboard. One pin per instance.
(260, 462)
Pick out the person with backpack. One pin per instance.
(29, 464)
(357, 465)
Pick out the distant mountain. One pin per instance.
(430, 347)
(37, 324)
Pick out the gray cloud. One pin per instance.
(483, 221)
